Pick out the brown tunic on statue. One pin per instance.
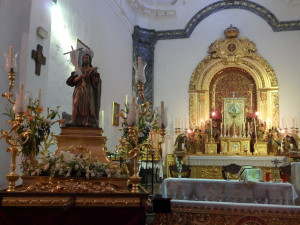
(86, 97)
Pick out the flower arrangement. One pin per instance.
(39, 127)
(250, 117)
(67, 164)
(145, 123)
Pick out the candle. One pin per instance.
(141, 75)
(221, 129)
(10, 56)
(21, 97)
(162, 114)
(267, 176)
(102, 119)
(294, 122)
(126, 99)
(140, 64)
(40, 97)
(211, 134)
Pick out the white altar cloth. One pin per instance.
(256, 161)
(228, 191)
(235, 206)
(295, 176)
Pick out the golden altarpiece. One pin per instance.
(232, 77)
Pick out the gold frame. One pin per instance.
(115, 119)
(244, 58)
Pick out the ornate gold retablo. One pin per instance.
(84, 140)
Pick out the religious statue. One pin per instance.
(289, 144)
(87, 91)
(273, 141)
(180, 140)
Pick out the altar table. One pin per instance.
(199, 212)
(210, 166)
(228, 191)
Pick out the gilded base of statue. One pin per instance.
(120, 182)
(85, 140)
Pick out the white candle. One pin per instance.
(40, 97)
(221, 129)
(21, 97)
(102, 119)
(126, 99)
(294, 125)
(10, 56)
(211, 134)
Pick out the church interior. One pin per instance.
(158, 111)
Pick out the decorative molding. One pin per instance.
(144, 41)
(253, 7)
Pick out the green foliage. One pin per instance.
(38, 125)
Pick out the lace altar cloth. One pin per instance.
(295, 178)
(228, 191)
(256, 161)
(230, 206)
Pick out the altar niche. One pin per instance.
(233, 66)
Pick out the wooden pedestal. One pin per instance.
(85, 140)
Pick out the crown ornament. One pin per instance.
(231, 32)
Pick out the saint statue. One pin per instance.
(87, 91)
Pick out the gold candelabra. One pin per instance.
(132, 143)
(13, 137)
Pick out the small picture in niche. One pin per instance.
(115, 114)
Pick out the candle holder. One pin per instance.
(132, 142)
(12, 137)
(11, 77)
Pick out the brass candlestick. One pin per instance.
(12, 137)
(133, 143)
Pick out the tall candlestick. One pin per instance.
(221, 129)
(211, 134)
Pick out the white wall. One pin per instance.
(175, 60)
(19, 20)
(106, 33)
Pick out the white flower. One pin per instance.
(76, 167)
